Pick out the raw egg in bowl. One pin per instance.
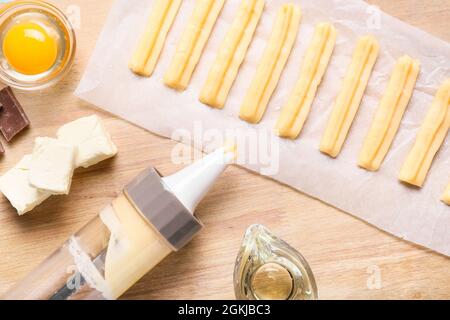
(37, 44)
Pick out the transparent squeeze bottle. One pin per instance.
(150, 219)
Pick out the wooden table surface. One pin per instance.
(347, 255)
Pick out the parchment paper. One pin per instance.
(412, 214)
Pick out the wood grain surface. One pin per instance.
(343, 252)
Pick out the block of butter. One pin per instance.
(52, 165)
(92, 141)
(16, 188)
(49, 169)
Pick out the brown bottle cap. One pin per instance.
(162, 208)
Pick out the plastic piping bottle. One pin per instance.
(152, 218)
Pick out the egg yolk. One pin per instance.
(29, 49)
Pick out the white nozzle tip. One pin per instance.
(192, 183)
(230, 151)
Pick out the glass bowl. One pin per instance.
(56, 24)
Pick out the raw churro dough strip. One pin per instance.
(152, 41)
(429, 139)
(349, 99)
(231, 54)
(272, 63)
(317, 58)
(192, 43)
(389, 114)
(446, 196)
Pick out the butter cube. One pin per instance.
(15, 187)
(52, 165)
(92, 141)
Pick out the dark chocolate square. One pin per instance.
(12, 117)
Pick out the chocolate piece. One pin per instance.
(2, 150)
(12, 117)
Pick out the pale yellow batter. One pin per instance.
(349, 99)
(151, 43)
(446, 196)
(389, 114)
(429, 139)
(134, 247)
(231, 54)
(192, 43)
(317, 58)
(272, 63)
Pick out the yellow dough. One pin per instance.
(134, 247)
(151, 43)
(231, 54)
(317, 58)
(429, 139)
(349, 99)
(272, 63)
(389, 114)
(446, 196)
(192, 43)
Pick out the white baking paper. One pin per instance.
(378, 198)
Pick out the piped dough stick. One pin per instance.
(152, 41)
(429, 139)
(192, 43)
(272, 63)
(294, 114)
(231, 54)
(349, 99)
(389, 114)
(446, 196)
